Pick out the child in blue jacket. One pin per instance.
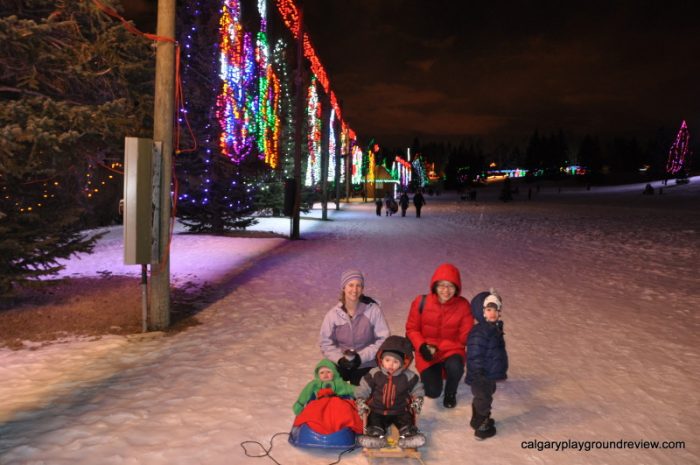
(487, 360)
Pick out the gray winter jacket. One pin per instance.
(364, 333)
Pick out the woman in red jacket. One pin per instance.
(438, 325)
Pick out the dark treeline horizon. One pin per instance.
(547, 151)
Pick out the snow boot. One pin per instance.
(478, 419)
(374, 438)
(486, 429)
(450, 400)
(410, 437)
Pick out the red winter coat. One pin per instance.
(445, 326)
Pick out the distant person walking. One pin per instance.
(388, 203)
(418, 202)
(403, 203)
(379, 205)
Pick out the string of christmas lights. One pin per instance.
(420, 171)
(314, 124)
(268, 96)
(371, 166)
(290, 15)
(679, 150)
(235, 110)
(331, 146)
(286, 118)
(356, 165)
(401, 171)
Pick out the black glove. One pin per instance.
(426, 352)
(344, 364)
(351, 363)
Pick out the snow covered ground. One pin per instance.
(600, 289)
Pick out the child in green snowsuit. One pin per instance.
(326, 404)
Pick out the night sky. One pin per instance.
(438, 69)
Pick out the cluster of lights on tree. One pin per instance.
(290, 15)
(286, 106)
(314, 125)
(249, 101)
(268, 98)
(419, 168)
(401, 171)
(234, 111)
(344, 149)
(679, 151)
(331, 146)
(371, 164)
(26, 207)
(193, 10)
(356, 165)
(94, 184)
(251, 98)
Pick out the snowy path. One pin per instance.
(600, 307)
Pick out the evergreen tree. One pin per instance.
(271, 194)
(627, 155)
(533, 153)
(558, 155)
(590, 154)
(73, 84)
(213, 196)
(656, 151)
(454, 162)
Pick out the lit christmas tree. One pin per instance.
(678, 154)
(226, 74)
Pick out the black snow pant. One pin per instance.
(482, 390)
(403, 211)
(418, 211)
(432, 376)
(385, 421)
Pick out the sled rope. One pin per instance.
(340, 456)
(267, 451)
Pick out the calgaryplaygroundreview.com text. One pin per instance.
(586, 446)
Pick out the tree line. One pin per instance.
(605, 158)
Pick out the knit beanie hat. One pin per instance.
(493, 300)
(393, 353)
(349, 275)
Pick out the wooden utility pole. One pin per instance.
(300, 100)
(163, 118)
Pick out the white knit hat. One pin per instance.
(493, 299)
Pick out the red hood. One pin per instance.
(447, 272)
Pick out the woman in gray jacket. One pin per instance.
(353, 329)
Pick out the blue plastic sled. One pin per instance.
(303, 436)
